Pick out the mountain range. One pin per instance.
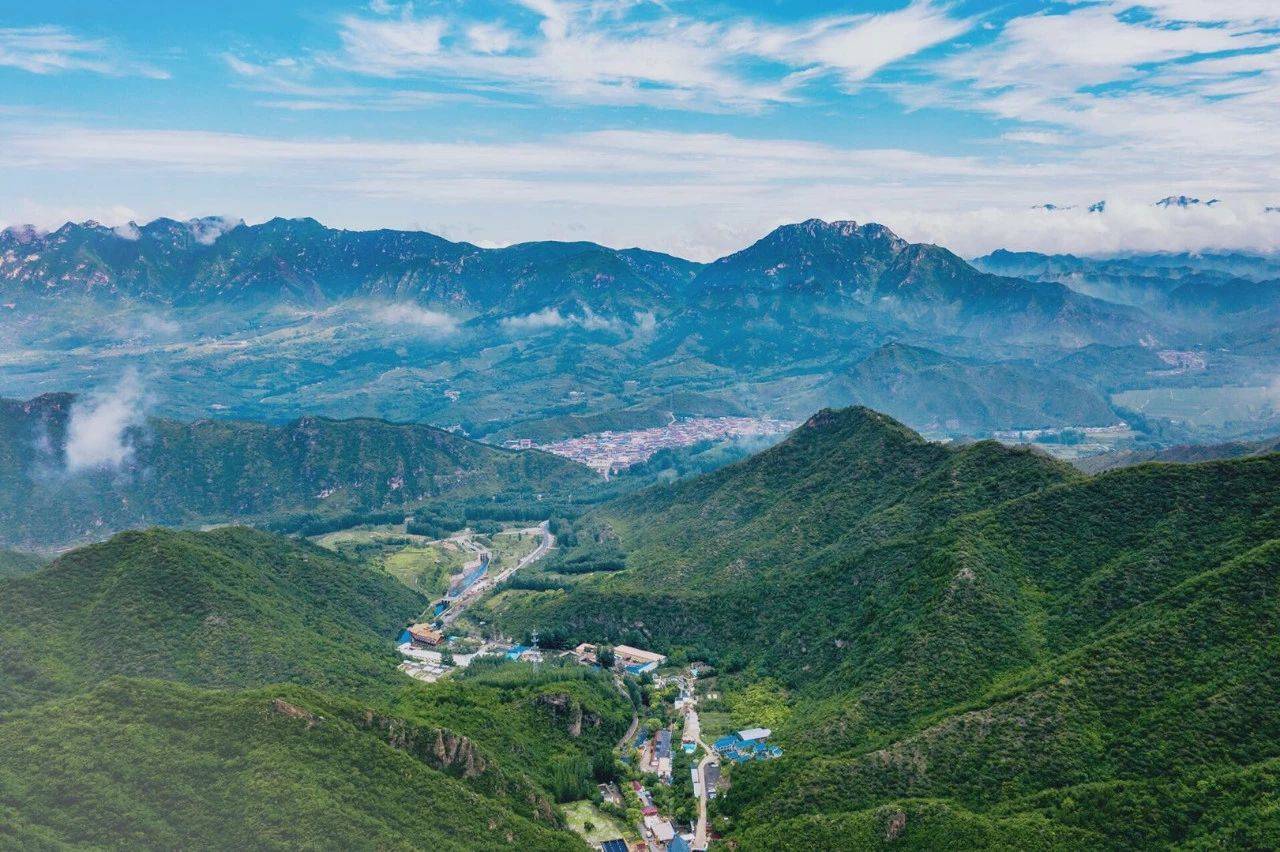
(1206, 292)
(970, 646)
(840, 270)
(288, 319)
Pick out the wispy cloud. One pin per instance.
(1179, 77)
(615, 52)
(98, 429)
(537, 321)
(406, 316)
(53, 50)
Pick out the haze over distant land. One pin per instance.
(685, 129)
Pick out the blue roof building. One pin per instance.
(618, 845)
(728, 741)
(514, 653)
(663, 743)
(678, 844)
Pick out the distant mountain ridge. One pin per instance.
(938, 393)
(1216, 290)
(301, 260)
(842, 280)
(843, 270)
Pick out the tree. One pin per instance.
(446, 658)
(606, 657)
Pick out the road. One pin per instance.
(485, 584)
(700, 840)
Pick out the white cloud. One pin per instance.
(390, 46)
(1145, 80)
(1126, 225)
(646, 324)
(407, 316)
(549, 318)
(98, 428)
(127, 231)
(489, 38)
(1036, 137)
(52, 50)
(697, 195)
(206, 230)
(536, 321)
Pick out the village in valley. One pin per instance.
(609, 453)
(672, 763)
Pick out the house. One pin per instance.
(662, 746)
(635, 660)
(610, 793)
(751, 735)
(586, 654)
(697, 782)
(661, 830)
(662, 753)
(425, 635)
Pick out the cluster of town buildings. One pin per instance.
(610, 452)
(423, 646)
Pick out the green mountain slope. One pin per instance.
(213, 471)
(14, 563)
(975, 638)
(232, 607)
(144, 764)
(278, 719)
(772, 528)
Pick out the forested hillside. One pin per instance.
(972, 642)
(231, 607)
(235, 689)
(213, 471)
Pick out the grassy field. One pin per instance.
(425, 569)
(715, 724)
(509, 547)
(420, 563)
(603, 826)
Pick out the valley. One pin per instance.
(616, 426)
(590, 340)
(607, 576)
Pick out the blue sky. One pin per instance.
(686, 126)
